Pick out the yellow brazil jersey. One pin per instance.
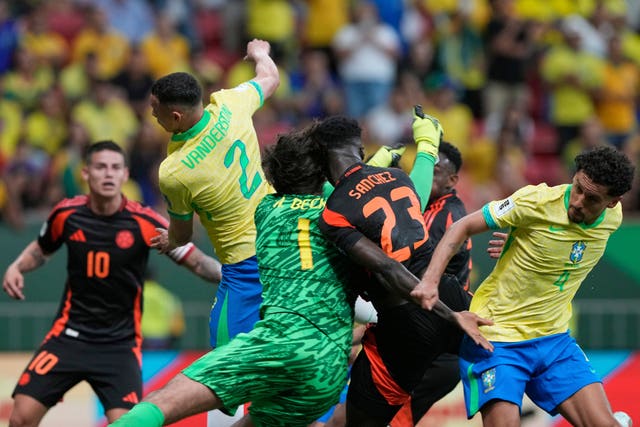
(545, 259)
(214, 169)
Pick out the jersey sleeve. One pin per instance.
(246, 97)
(422, 177)
(519, 209)
(177, 196)
(337, 229)
(52, 231)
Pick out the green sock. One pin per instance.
(143, 414)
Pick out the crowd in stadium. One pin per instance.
(520, 86)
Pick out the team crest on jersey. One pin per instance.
(489, 379)
(577, 251)
(124, 239)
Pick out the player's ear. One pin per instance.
(614, 201)
(85, 173)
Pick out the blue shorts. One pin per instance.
(549, 369)
(237, 305)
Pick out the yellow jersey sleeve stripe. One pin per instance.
(259, 89)
(486, 213)
(184, 217)
(195, 129)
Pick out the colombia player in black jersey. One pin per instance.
(96, 333)
(377, 209)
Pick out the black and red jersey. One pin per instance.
(439, 216)
(382, 205)
(107, 258)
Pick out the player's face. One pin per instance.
(168, 119)
(105, 173)
(444, 177)
(588, 200)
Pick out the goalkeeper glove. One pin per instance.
(387, 156)
(427, 133)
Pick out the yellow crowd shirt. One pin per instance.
(545, 259)
(214, 169)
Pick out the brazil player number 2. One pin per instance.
(230, 157)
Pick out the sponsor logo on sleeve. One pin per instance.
(504, 206)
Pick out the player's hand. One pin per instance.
(387, 156)
(257, 48)
(427, 132)
(497, 245)
(426, 293)
(13, 282)
(161, 240)
(470, 322)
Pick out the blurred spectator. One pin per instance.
(105, 115)
(162, 318)
(135, 80)
(455, 117)
(66, 165)
(131, 18)
(419, 59)
(47, 46)
(460, 55)
(616, 99)
(26, 83)
(165, 49)
(572, 76)
(322, 21)
(64, 17)
(147, 152)
(510, 43)
(312, 85)
(591, 135)
(76, 77)
(98, 38)
(9, 32)
(10, 128)
(390, 123)
(367, 51)
(275, 22)
(46, 127)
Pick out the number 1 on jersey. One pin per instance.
(304, 244)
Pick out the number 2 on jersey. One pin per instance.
(229, 158)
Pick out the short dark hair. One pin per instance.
(452, 153)
(177, 89)
(609, 167)
(102, 146)
(336, 132)
(293, 165)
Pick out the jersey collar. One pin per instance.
(351, 169)
(195, 129)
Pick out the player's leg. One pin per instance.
(49, 375)
(26, 411)
(439, 379)
(499, 413)
(589, 407)
(569, 385)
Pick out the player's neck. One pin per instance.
(191, 120)
(105, 206)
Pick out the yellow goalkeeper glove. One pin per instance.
(427, 132)
(387, 156)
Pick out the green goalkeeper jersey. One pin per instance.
(301, 272)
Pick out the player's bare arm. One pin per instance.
(426, 293)
(31, 258)
(203, 265)
(179, 234)
(267, 75)
(395, 277)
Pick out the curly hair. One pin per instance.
(452, 153)
(609, 167)
(293, 165)
(177, 89)
(335, 132)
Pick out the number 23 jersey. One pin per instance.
(106, 261)
(382, 205)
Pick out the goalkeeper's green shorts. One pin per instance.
(289, 371)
